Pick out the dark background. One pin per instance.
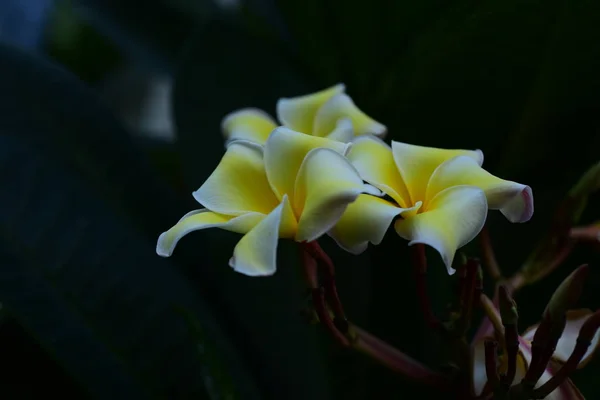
(109, 119)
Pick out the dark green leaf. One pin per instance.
(154, 31)
(93, 291)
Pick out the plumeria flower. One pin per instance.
(441, 196)
(564, 348)
(296, 187)
(329, 113)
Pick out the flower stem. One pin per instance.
(328, 282)
(420, 269)
(398, 361)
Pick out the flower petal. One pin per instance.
(452, 219)
(343, 132)
(568, 340)
(298, 113)
(239, 183)
(284, 153)
(365, 220)
(417, 163)
(249, 124)
(374, 161)
(479, 377)
(513, 199)
(256, 253)
(203, 219)
(326, 184)
(342, 106)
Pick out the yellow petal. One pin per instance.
(513, 199)
(248, 124)
(566, 343)
(203, 219)
(417, 163)
(343, 132)
(326, 184)
(284, 152)
(239, 183)
(365, 220)
(375, 163)
(298, 113)
(452, 219)
(256, 253)
(342, 106)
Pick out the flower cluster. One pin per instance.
(326, 170)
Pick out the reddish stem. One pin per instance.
(543, 346)
(318, 298)
(328, 282)
(420, 269)
(398, 361)
(469, 294)
(586, 334)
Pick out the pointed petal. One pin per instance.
(285, 151)
(374, 161)
(326, 184)
(417, 163)
(513, 199)
(342, 106)
(239, 183)
(249, 124)
(343, 132)
(365, 220)
(451, 220)
(256, 253)
(566, 343)
(203, 219)
(298, 113)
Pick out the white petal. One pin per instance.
(203, 219)
(374, 160)
(452, 219)
(326, 184)
(417, 163)
(284, 153)
(256, 253)
(342, 106)
(298, 113)
(239, 183)
(365, 220)
(250, 124)
(343, 132)
(513, 199)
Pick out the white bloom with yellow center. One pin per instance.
(442, 197)
(329, 113)
(297, 186)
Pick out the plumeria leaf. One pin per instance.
(84, 281)
(80, 212)
(154, 33)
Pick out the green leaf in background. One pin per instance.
(79, 213)
(153, 32)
